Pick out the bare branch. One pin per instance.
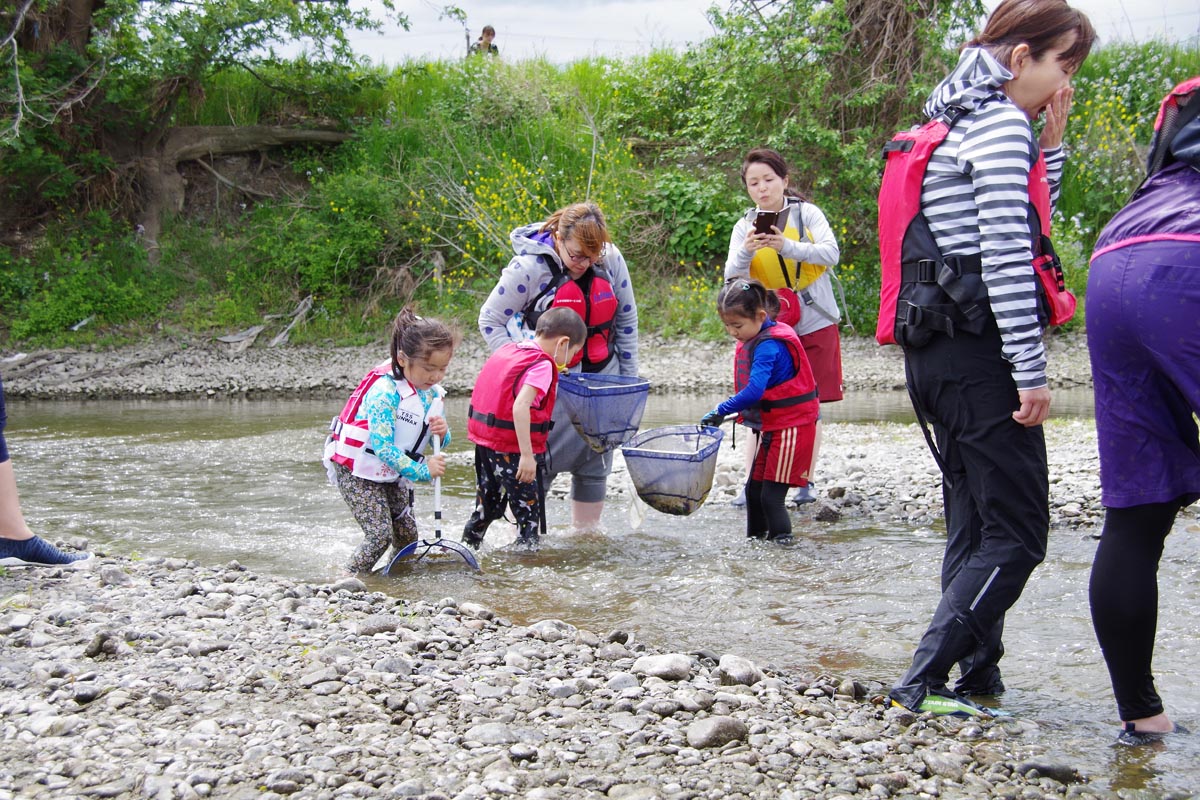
(14, 128)
(231, 184)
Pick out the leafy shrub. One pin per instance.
(684, 306)
(698, 212)
(1117, 94)
(97, 275)
(332, 242)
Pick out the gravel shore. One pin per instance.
(207, 368)
(164, 678)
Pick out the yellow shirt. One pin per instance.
(764, 266)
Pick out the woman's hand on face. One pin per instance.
(1057, 111)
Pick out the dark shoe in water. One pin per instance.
(991, 690)
(1132, 737)
(470, 537)
(36, 552)
(527, 544)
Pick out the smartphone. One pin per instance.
(764, 220)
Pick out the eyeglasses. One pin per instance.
(582, 258)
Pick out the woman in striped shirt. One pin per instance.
(986, 394)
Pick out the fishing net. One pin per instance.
(672, 468)
(605, 409)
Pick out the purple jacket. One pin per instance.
(1165, 208)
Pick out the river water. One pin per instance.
(222, 480)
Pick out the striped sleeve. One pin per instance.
(976, 198)
(1056, 159)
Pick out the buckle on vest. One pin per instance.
(1060, 279)
(913, 315)
(927, 271)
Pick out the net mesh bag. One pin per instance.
(605, 409)
(672, 468)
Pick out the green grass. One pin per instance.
(449, 156)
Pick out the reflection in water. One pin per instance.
(241, 480)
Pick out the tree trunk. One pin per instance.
(162, 186)
(67, 21)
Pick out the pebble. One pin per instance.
(256, 705)
(164, 678)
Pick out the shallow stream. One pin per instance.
(222, 480)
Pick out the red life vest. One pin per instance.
(921, 292)
(788, 404)
(348, 442)
(596, 305)
(490, 415)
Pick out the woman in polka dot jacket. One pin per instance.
(570, 260)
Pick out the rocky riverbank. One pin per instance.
(208, 368)
(165, 679)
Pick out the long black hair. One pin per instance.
(418, 337)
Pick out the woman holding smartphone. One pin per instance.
(785, 242)
(570, 260)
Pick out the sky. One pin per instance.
(565, 31)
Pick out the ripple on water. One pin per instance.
(218, 480)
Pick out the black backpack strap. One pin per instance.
(1160, 149)
(557, 276)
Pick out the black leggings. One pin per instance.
(766, 515)
(1124, 596)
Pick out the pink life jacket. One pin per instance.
(920, 291)
(348, 442)
(490, 415)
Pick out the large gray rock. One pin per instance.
(715, 732)
(737, 671)
(669, 666)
